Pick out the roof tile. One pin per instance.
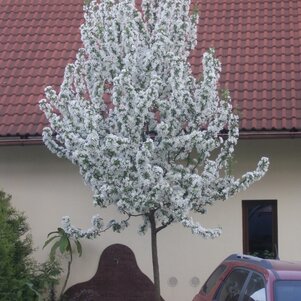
(257, 41)
(38, 38)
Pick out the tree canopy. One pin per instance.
(146, 134)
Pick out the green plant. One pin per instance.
(48, 277)
(63, 242)
(266, 254)
(21, 277)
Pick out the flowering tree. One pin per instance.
(145, 133)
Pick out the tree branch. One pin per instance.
(165, 225)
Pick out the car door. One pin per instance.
(255, 289)
(232, 287)
(242, 285)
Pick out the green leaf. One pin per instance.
(50, 240)
(79, 248)
(64, 242)
(30, 285)
(54, 248)
(53, 232)
(61, 231)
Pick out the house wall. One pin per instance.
(47, 188)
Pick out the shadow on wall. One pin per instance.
(118, 278)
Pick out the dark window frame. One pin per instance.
(246, 204)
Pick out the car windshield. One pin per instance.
(288, 290)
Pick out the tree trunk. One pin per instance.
(155, 256)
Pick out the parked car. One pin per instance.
(248, 278)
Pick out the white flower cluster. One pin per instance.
(145, 133)
(95, 230)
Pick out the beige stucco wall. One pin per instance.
(46, 188)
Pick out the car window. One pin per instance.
(209, 284)
(255, 290)
(287, 290)
(231, 288)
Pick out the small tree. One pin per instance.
(145, 133)
(62, 241)
(21, 278)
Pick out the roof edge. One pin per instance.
(269, 134)
(17, 140)
(37, 140)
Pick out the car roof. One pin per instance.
(287, 269)
(282, 269)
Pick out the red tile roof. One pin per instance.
(37, 39)
(259, 44)
(257, 41)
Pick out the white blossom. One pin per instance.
(157, 144)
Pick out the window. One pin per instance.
(288, 290)
(255, 289)
(260, 228)
(209, 284)
(233, 285)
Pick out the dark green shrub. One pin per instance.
(21, 278)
